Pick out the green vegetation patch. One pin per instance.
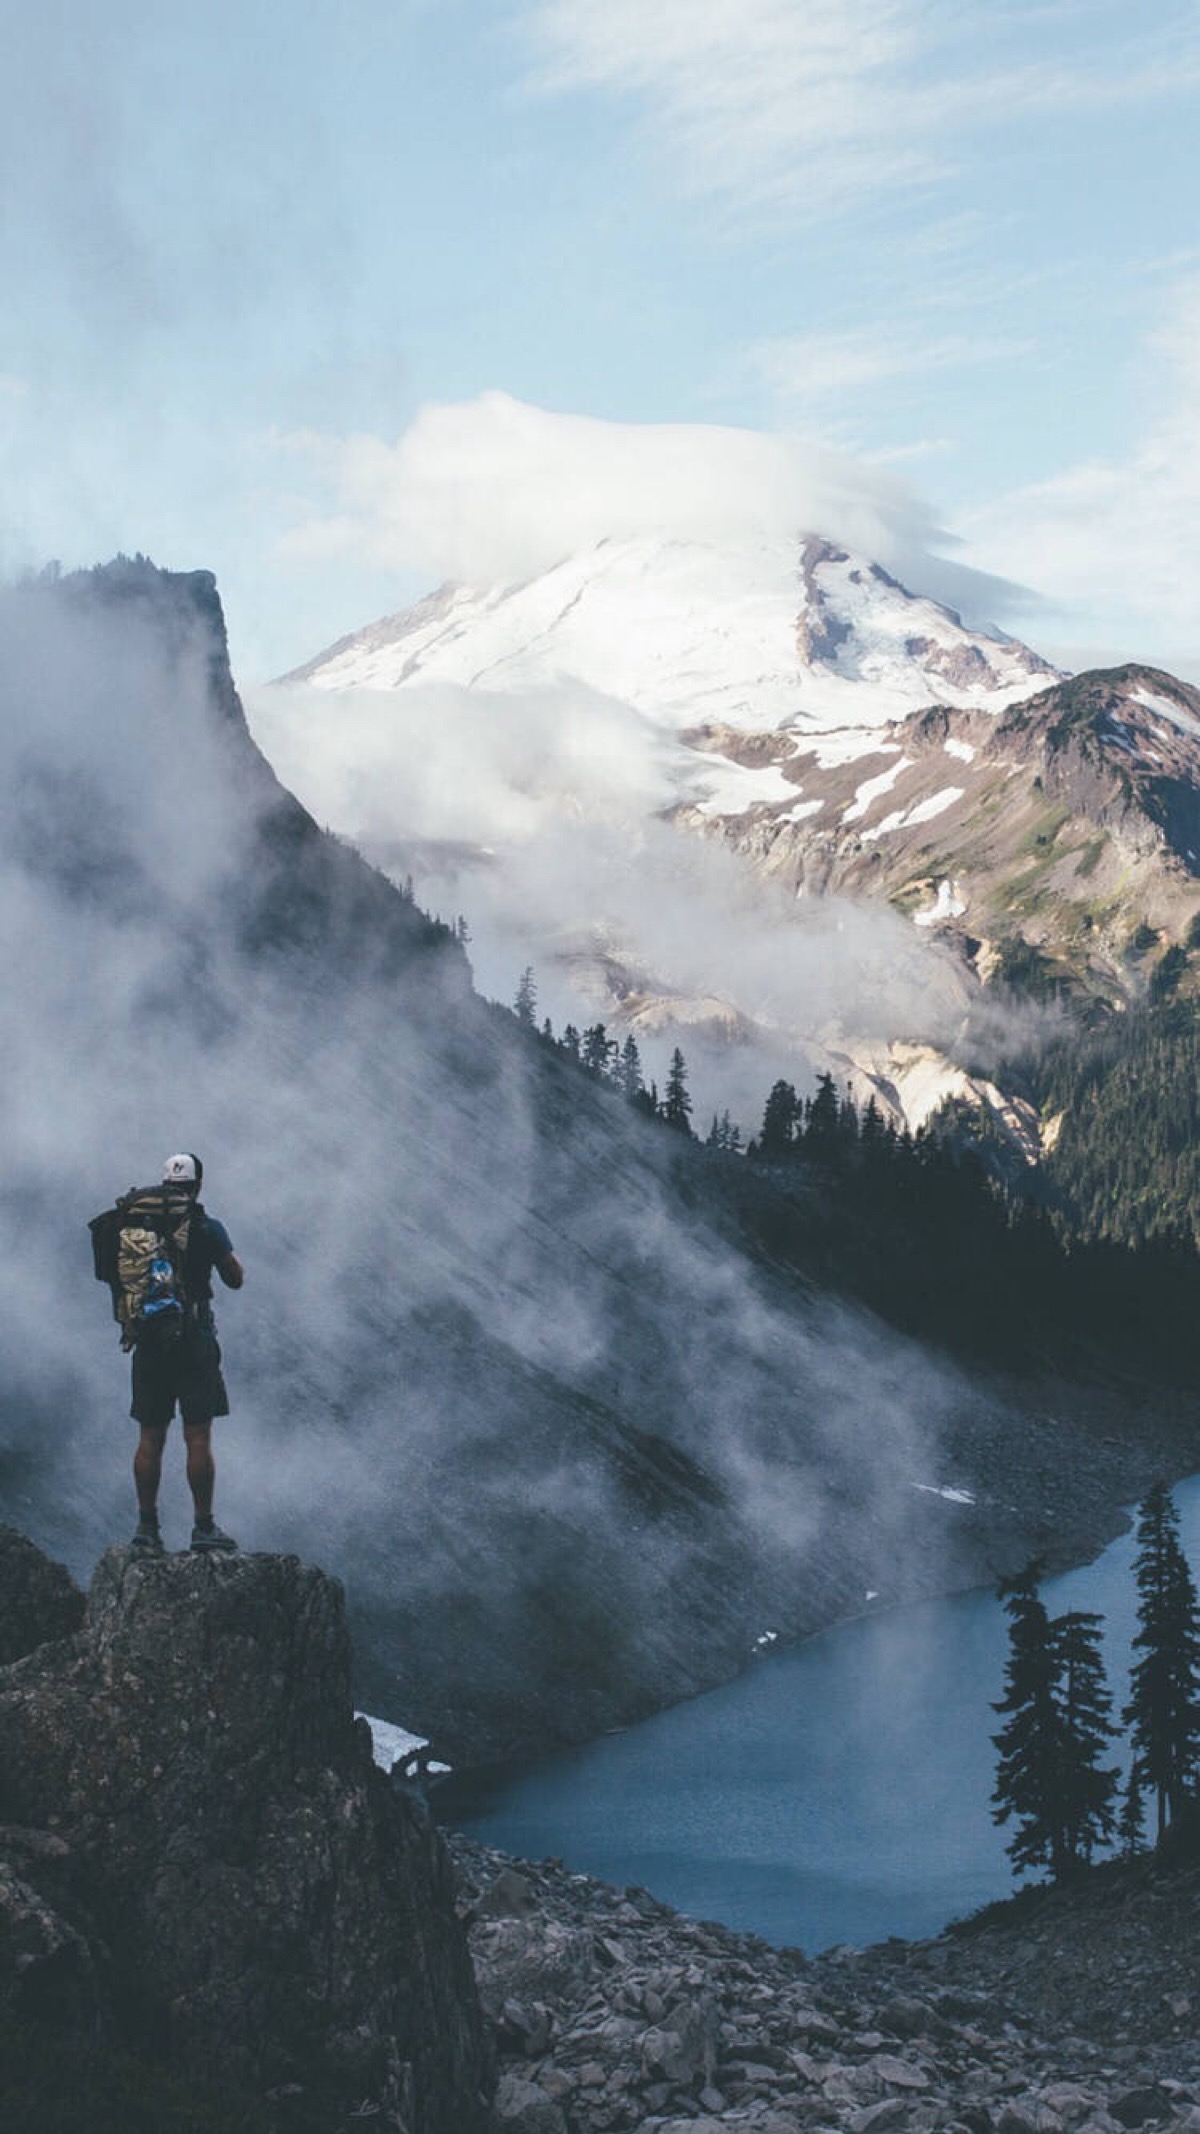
(1043, 831)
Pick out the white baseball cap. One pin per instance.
(180, 1171)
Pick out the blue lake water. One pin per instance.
(839, 1792)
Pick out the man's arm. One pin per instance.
(231, 1271)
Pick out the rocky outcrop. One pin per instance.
(39, 1600)
(1067, 2013)
(203, 1864)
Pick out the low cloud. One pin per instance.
(493, 490)
(539, 815)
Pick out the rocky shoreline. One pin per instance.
(1063, 2012)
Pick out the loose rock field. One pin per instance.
(1067, 2013)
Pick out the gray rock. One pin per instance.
(509, 1897)
(889, 2112)
(39, 1600)
(47, 1969)
(524, 2108)
(267, 1904)
(1134, 2107)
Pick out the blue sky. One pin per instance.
(338, 298)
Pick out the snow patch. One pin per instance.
(1165, 709)
(871, 789)
(962, 749)
(392, 1745)
(733, 788)
(923, 811)
(835, 746)
(951, 1496)
(947, 905)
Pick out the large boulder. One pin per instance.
(253, 1892)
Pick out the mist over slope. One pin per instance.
(531, 750)
(494, 1364)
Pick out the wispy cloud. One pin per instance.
(816, 372)
(775, 101)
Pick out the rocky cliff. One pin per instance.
(201, 1869)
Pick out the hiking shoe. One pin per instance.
(211, 1541)
(147, 1541)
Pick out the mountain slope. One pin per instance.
(1069, 825)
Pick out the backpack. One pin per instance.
(139, 1247)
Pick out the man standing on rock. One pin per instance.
(186, 1370)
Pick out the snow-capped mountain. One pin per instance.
(770, 634)
(652, 681)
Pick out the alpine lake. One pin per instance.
(837, 1793)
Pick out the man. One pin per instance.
(187, 1371)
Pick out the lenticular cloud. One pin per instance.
(493, 490)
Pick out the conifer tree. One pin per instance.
(724, 1135)
(780, 1114)
(1085, 1789)
(872, 1131)
(1056, 1705)
(1131, 1825)
(525, 1005)
(632, 1085)
(570, 1042)
(821, 1114)
(1163, 1712)
(677, 1104)
(597, 1051)
(1028, 1741)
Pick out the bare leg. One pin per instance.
(147, 1466)
(201, 1467)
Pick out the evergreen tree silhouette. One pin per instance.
(1163, 1712)
(632, 1085)
(677, 1104)
(597, 1051)
(1131, 1824)
(1085, 1790)
(780, 1114)
(525, 1005)
(821, 1118)
(1056, 1705)
(1027, 1743)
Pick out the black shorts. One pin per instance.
(188, 1371)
